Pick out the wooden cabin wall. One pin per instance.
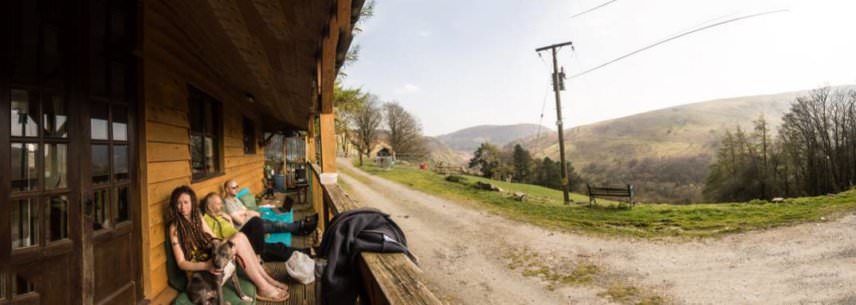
(170, 64)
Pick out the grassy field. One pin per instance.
(544, 207)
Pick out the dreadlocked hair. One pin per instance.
(190, 233)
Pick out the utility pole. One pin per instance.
(558, 84)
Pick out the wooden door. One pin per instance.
(110, 247)
(69, 203)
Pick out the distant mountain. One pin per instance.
(440, 152)
(468, 139)
(664, 153)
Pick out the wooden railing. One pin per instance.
(389, 278)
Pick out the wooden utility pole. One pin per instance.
(557, 86)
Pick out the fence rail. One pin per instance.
(389, 278)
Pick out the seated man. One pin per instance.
(240, 215)
(222, 227)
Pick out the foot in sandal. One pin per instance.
(280, 296)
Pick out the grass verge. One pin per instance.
(544, 207)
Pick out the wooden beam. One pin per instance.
(343, 13)
(328, 65)
(328, 143)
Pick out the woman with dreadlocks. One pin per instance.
(191, 245)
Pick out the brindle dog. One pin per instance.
(205, 288)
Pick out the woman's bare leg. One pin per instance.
(254, 269)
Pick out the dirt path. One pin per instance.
(473, 257)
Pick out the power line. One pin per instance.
(673, 38)
(593, 9)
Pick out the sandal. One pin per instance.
(274, 299)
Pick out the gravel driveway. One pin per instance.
(470, 256)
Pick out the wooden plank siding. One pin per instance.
(171, 64)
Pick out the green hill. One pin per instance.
(665, 153)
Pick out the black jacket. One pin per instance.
(352, 232)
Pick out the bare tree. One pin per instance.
(405, 132)
(366, 121)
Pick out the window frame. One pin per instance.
(215, 121)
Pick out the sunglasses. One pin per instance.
(233, 187)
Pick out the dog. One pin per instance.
(205, 288)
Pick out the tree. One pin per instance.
(522, 163)
(405, 132)
(346, 102)
(487, 160)
(549, 174)
(367, 119)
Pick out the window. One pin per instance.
(38, 161)
(249, 137)
(205, 136)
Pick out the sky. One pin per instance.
(457, 64)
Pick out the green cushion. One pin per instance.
(249, 201)
(229, 293)
(176, 277)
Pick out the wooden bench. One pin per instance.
(620, 193)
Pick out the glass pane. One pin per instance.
(58, 218)
(25, 223)
(209, 155)
(120, 123)
(100, 164)
(208, 118)
(120, 161)
(197, 160)
(25, 176)
(24, 113)
(55, 117)
(56, 166)
(122, 205)
(22, 285)
(195, 111)
(98, 121)
(101, 200)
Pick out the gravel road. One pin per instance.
(470, 256)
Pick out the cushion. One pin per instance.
(248, 199)
(229, 293)
(269, 214)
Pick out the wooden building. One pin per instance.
(106, 106)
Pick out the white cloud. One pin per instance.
(407, 88)
(424, 33)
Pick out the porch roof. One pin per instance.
(269, 50)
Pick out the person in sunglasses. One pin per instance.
(241, 215)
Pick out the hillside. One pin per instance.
(665, 153)
(440, 152)
(468, 139)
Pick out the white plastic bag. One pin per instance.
(301, 267)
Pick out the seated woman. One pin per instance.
(240, 214)
(191, 245)
(222, 227)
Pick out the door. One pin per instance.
(67, 88)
